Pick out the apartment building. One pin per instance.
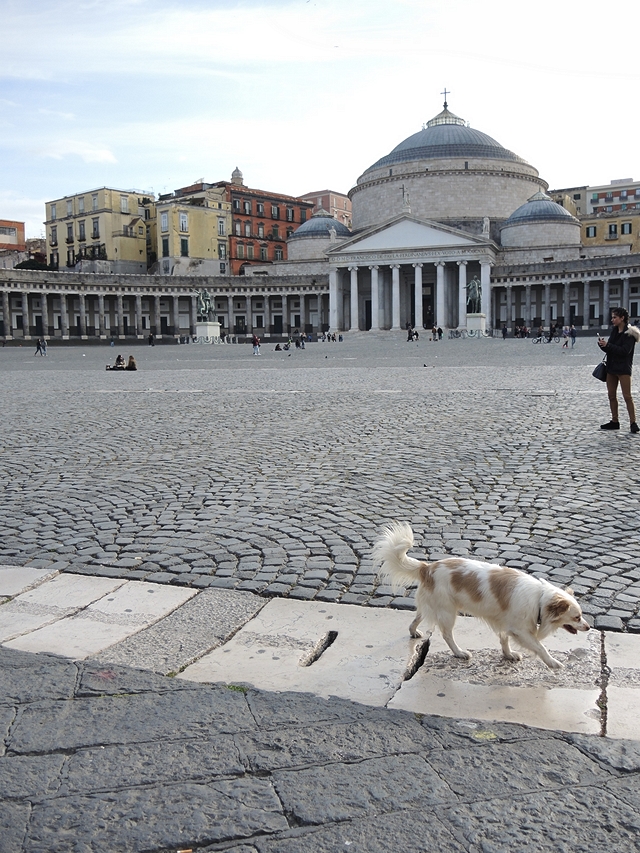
(12, 238)
(334, 203)
(100, 230)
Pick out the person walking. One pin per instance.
(255, 340)
(38, 347)
(572, 335)
(619, 351)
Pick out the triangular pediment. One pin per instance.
(407, 233)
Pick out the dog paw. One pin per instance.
(555, 664)
(513, 656)
(464, 655)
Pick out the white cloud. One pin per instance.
(89, 153)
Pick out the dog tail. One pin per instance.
(390, 553)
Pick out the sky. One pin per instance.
(301, 95)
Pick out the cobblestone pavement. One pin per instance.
(106, 759)
(211, 467)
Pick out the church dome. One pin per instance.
(447, 135)
(320, 225)
(540, 222)
(452, 173)
(540, 208)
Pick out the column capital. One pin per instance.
(374, 267)
(395, 266)
(462, 263)
(352, 268)
(439, 263)
(417, 265)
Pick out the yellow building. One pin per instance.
(193, 227)
(620, 228)
(101, 230)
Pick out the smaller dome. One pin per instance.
(320, 225)
(540, 208)
(237, 177)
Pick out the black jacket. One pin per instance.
(619, 350)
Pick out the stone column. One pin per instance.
(26, 324)
(586, 303)
(120, 315)
(156, 316)
(439, 315)
(193, 314)
(139, 315)
(462, 294)
(249, 325)
(375, 299)
(395, 297)
(44, 310)
(83, 317)
(509, 308)
(353, 302)
(566, 304)
(175, 310)
(527, 305)
(230, 313)
(101, 330)
(267, 313)
(6, 315)
(417, 296)
(64, 318)
(333, 301)
(547, 305)
(485, 281)
(625, 293)
(303, 312)
(285, 312)
(606, 309)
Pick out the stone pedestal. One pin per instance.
(476, 322)
(208, 333)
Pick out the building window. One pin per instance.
(289, 232)
(124, 204)
(260, 208)
(70, 208)
(289, 214)
(261, 230)
(303, 216)
(164, 221)
(54, 235)
(237, 227)
(221, 228)
(81, 231)
(165, 247)
(263, 253)
(184, 222)
(591, 230)
(275, 231)
(278, 254)
(247, 229)
(184, 247)
(613, 229)
(246, 206)
(240, 250)
(222, 251)
(275, 211)
(95, 228)
(623, 193)
(140, 229)
(259, 321)
(626, 228)
(608, 196)
(223, 271)
(94, 202)
(250, 252)
(53, 211)
(81, 204)
(236, 204)
(594, 196)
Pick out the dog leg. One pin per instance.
(534, 645)
(413, 628)
(446, 624)
(507, 651)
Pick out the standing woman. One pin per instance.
(619, 349)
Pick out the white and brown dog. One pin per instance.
(515, 605)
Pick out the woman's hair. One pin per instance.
(621, 312)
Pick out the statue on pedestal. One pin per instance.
(474, 296)
(205, 308)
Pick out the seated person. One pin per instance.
(131, 364)
(278, 348)
(119, 364)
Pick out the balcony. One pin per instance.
(69, 240)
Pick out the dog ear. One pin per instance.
(556, 606)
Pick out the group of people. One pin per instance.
(519, 332)
(436, 333)
(412, 334)
(120, 364)
(41, 347)
(329, 337)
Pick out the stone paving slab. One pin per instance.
(17, 579)
(110, 619)
(365, 660)
(50, 601)
(193, 629)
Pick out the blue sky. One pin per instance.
(301, 94)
